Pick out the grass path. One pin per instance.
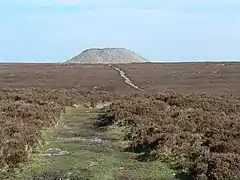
(76, 151)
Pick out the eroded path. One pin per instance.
(127, 79)
(76, 151)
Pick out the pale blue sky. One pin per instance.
(171, 30)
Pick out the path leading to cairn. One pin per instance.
(127, 79)
(74, 150)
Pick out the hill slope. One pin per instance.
(107, 56)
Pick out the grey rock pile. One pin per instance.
(107, 56)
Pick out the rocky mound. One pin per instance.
(107, 56)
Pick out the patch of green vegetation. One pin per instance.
(87, 160)
(116, 132)
(119, 166)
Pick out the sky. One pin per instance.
(158, 30)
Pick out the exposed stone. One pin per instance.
(107, 56)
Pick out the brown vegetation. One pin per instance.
(219, 77)
(178, 77)
(196, 133)
(24, 113)
(59, 76)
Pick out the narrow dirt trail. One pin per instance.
(77, 151)
(127, 79)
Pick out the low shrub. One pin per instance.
(196, 133)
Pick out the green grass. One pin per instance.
(85, 161)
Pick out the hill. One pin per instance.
(107, 56)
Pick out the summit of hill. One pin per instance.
(107, 56)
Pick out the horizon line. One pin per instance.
(153, 61)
